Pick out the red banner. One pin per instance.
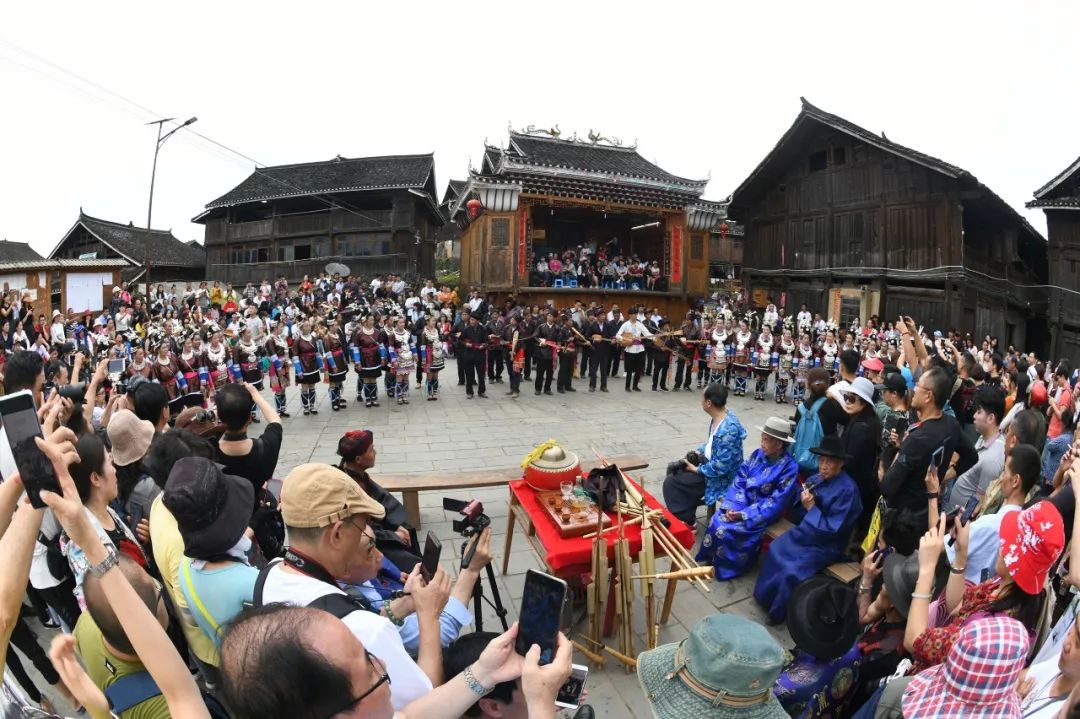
(676, 254)
(523, 228)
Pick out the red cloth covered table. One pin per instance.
(572, 556)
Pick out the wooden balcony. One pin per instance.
(315, 223)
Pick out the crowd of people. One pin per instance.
(185, 584)
(591, 266)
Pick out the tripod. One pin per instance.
(478, 589)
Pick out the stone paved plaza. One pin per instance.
(454, 434)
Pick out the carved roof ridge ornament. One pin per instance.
(596, 138)
(553, 132)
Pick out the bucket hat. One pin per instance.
(212, 509)
(978, 678)
(1031, 541)
(725, 669)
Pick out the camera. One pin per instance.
(695, 458)
(474, 522)
(120, 388)
(75, 392)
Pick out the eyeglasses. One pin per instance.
(363, 531)
(384, 678)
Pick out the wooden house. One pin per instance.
(170, 259)
(377, 215)
(855, 225)
(545, 194)
(1059, 199)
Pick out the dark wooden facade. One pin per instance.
(377, 215)
(1060, 201)
(589, 190)
(853, 225)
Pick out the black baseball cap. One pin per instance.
(896, 383)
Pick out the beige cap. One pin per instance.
(317, 495)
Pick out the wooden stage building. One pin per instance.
(544, 194)
(1059, 199)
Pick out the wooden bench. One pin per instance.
(846, 572)
(411, 484)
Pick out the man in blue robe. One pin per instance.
(831, 505)
(764, 488)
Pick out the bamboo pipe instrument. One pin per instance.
(627, 523)
(679, 574)
(588, 653)
(680, 560)
(628, 661)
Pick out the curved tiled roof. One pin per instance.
(131, 242)
(338, 175)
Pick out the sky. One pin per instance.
(706, 89)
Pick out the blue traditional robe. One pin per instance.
(763, 490)
(820, 539)
(726, 447)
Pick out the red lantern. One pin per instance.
(473, 206)
(724, 229)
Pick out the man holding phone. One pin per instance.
(905, 513)
(989, 404)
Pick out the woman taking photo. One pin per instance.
(95, 480)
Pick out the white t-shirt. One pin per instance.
(1040, 704)
(378, 635)
(637, 329)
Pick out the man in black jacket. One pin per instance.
(459, 345)
(475, 340)
(545, 353)
(600, 356)
(905, 514)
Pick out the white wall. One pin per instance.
(82, 290)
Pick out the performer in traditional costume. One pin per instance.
(804, 362)
(494, 358)
(190, 362)
(166, 371)
(337, 369)
(704, 353)
(139, 367)
(403, 359)
(719, 356)
(434, 359)
(830, 355)
(688, 345)
(763, 351)
(705, 478)
(217, 359)
(369, 355)
(785, 366)
(277, 349)
(741, 361)
(830, 507)
(764, 488)
(515, 356)
(306, 364)
(567, 356)
(245, 355)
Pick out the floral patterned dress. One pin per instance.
(933, 645)
(723, 452)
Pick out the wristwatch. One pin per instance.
(100, 569)
(933, 495)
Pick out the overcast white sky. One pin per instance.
(704, 87)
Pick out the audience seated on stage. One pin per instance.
(706, 475)
(763, 490)
(830, 508)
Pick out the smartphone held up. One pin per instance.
(19, 423)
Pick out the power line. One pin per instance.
(330, 202)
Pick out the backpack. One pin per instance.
(54, 557)
(133, 689)
(340, 605)
(808, 434)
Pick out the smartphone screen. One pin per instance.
(969, 509)
(432, 553)
(116, 366)
(570, 693)
(18, 417)
(935, 458)
(541, 613)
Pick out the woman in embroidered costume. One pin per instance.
(830, 353)
(305, 352)
(216, 353)
(763, 362)
(336, 367)
(166, 371)
(804, 361)
(246, 355)
(431, 343)
(401, 342)
(190, 361)
(786, 350)
(277, 349)
(368, 355)
(741, 361)
(139, 367)
(718, 356)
